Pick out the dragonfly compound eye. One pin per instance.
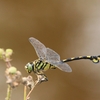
(29, 67)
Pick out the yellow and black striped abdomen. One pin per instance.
(94, 59)
(42, 66)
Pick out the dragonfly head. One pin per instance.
(29, 67)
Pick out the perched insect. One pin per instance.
(49, 59)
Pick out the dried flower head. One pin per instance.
(8, 53)
(14, 77)
(28, 81)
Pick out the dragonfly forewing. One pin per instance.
(39, 48)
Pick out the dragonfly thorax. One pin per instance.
(38, 66)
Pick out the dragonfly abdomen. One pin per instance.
(94, 59)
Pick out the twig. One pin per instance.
(8, 64)
(25, 92)
(8, 93)
(28, 96)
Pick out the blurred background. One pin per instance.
(71, 28)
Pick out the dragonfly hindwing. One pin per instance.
(51, 56)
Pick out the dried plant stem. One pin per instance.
(8, 93)
(25, 92)
(9, 89)
(8, 64)
(28, 96)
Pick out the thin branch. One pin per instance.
(8, 93)
(28, 96)
(25, 92)
(8, 64)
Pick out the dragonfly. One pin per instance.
(49, 59)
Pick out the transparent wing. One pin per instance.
(51, 56)
(39, 48)
(64, 67)
(54, 58)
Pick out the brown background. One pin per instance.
(70, 27)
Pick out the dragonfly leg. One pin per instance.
(42, 78)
